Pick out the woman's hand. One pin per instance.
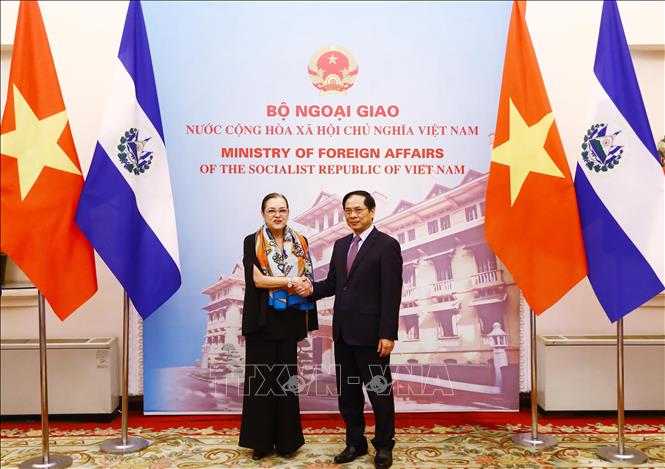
(302, 286)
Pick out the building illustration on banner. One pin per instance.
(458, 346)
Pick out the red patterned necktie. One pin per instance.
(352, 253)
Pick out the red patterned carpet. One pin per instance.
(431, 440)
(488, 419)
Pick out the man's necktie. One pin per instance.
(352, 253)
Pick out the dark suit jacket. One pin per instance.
(255, 312)
(367, 301)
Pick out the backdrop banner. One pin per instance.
(314, 100)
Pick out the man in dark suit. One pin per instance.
(365, 275)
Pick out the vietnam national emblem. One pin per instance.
(132, 153)
(599, 152)
(332, 69)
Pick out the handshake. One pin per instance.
(302, 286)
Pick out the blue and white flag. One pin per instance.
(619, 181)
(126, 207)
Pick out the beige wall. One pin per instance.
(84, 40)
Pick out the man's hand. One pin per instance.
(385, 347)
(302, 286)
(309, 287)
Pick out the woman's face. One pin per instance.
(276, 214)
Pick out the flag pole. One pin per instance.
(46, 460)
(533, 439)
(619, 453)
(124, 444)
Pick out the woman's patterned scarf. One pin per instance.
(295, 261)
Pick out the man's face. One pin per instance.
(357, 215)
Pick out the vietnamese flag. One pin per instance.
(40, 178)
(531, 219)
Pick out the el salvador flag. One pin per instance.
(619, 181)
(126, 206)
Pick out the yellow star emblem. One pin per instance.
(34, 143)
(524, 150)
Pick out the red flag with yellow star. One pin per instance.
(40, 178)
(531, 219)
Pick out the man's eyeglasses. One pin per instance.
(271, 212)
(349, 211)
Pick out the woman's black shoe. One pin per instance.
(286, 454)
(256, 455)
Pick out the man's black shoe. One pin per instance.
(349, 454)
(258, 454)
(383, 458)
(286, 454)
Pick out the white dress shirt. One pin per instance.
(363, 236)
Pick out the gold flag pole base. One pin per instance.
(52, 461)
(539, 442)
(117, 446)
(627, 456)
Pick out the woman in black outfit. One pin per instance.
(276, 261)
